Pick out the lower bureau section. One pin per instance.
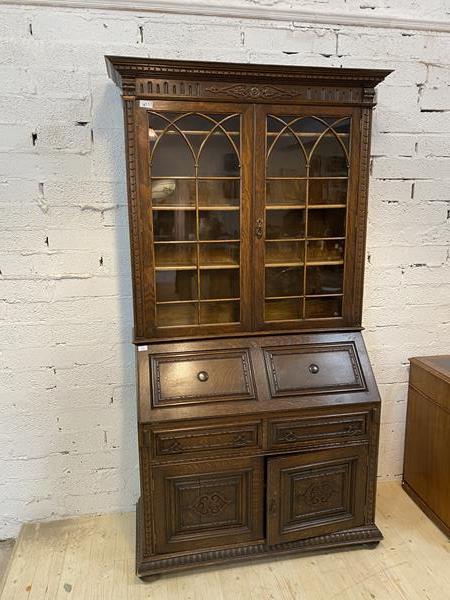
(224, 508)
(285, 463)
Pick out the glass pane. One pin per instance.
(325, 250)
(307, 129)
(327, 222)
(307, 125)
(231, 125)
(321, 308)
(157, 123)
(342, 128)
(173, 192)
(193, 123)
(328, 158)
(286, 157)
(299, 124)
(219, 224)
(324, 279)
(170, 156)
(196, 128)
(285, 224)
(172, 315)
(216, 192)
(176, 285)
(286, 191)
(276, 123)
(219, 283)
(284, 281)
(285, 252)
(283, 310)
(219, 312)
(167, 255)
(219, 254)
(174, 225)
(218, 156)
(328, 191)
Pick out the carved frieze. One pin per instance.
(246, 82)
(255, 92)
(184, 89)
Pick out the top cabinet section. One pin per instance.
(247, 192)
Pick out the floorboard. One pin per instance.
(92, 558)
(6, 548)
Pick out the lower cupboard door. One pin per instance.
(315, 493)
(207, 504)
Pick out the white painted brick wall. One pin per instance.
(67, 410)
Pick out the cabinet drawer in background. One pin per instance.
(172, 442)
(285, 433)
(303, 369)
(202, 376)
(434, 385)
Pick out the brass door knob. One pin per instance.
(203, 376)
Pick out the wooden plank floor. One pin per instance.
(6, 548)
(92, 558)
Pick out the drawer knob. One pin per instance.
(313, 369)
(203, 376)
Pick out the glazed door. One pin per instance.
(315, 493)
(306, 194)
(195, 174)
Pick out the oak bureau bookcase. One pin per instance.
(258, 410)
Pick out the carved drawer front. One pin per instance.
(316, 493)
(193, 440)
(204, 505)
(287, 433)
(305, 369)
(206, 376)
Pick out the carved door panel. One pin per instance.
(315, 493)
(209, 504)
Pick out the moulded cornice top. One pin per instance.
(122, 68)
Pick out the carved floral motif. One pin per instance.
(210, 504)
(253, 92)
(318, 493)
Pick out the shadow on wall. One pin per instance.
(110, 135)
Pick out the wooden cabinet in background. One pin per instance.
(258, 411)
(426, 473)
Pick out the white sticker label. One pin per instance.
(142, 348)
(146, 103)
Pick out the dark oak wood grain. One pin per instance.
(312, 494)
(206, 504)
(258, 412)
(426, 474)
(175, 88)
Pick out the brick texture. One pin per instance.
(67, 411)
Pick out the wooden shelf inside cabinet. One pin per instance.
(247, 190)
